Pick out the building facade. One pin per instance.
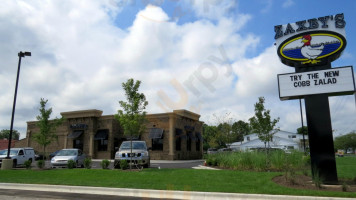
(284, 140)
(175, 135)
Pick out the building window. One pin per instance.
(78, 144)
(179, 134)
(292, 136)
(102, 145)
(248, 138)
(198, 139)
(156, 135)
(189, 144)
(101, 137)
(157, 144)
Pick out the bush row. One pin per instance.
(259, 161)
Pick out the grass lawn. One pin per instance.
(346, 167)
(165, 179)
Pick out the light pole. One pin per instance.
(20, 54)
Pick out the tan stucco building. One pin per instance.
(175, 135)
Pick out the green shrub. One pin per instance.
(105, 164)
(124, 164)
(258, 161)
(71, 164)
(87, 163)
(41, 164)
(27, 164)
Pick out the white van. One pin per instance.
(18, 155)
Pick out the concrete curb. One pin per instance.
(162, 194)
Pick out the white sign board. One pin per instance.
(335, 81)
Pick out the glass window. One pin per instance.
(197, 147)
(78, 144)
(102, 145)
(178, 139)
(157, 144)
(189, 144)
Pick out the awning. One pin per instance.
(189, 128)
(75, 134)
(101, 135)
(155, 133)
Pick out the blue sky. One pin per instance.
(213, 57)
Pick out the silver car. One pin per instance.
(63, 156)
(139, 156)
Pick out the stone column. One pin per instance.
(65, 141)
(28, 136)
(171, 138)
(91, 144)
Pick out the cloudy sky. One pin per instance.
(211, 57)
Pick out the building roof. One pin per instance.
(4, 143)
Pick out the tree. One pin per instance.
(262, 124)
(5, 133)
(132, 117)
(302, 130)
(223, 135)
(240, 129)
(209, 134)
(345, 141)
(47, 127)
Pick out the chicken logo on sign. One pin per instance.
(311, 42)
(311, 48)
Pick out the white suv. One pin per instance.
(18, 155)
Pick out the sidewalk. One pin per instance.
(162, 194)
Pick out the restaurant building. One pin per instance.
(174, 135)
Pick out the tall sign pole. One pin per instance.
(310, 46)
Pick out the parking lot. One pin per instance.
(96, 164)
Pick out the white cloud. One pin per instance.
(288, 3)
(80, 58)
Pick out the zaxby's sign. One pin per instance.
(335, 81)
(311, 42)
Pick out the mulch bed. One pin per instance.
(305, 182)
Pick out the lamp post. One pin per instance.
(20, 54)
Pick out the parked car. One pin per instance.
(53, 154)
(139, 156)
(212, 151)
(18, 155)
(63, 156)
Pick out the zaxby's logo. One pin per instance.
(300, 45)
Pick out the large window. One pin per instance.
(156, 135)
(78, 143)
(179, 134)
(189, 144)
(101, 137)
(197, 140)
(157, 144)
(102, 145)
